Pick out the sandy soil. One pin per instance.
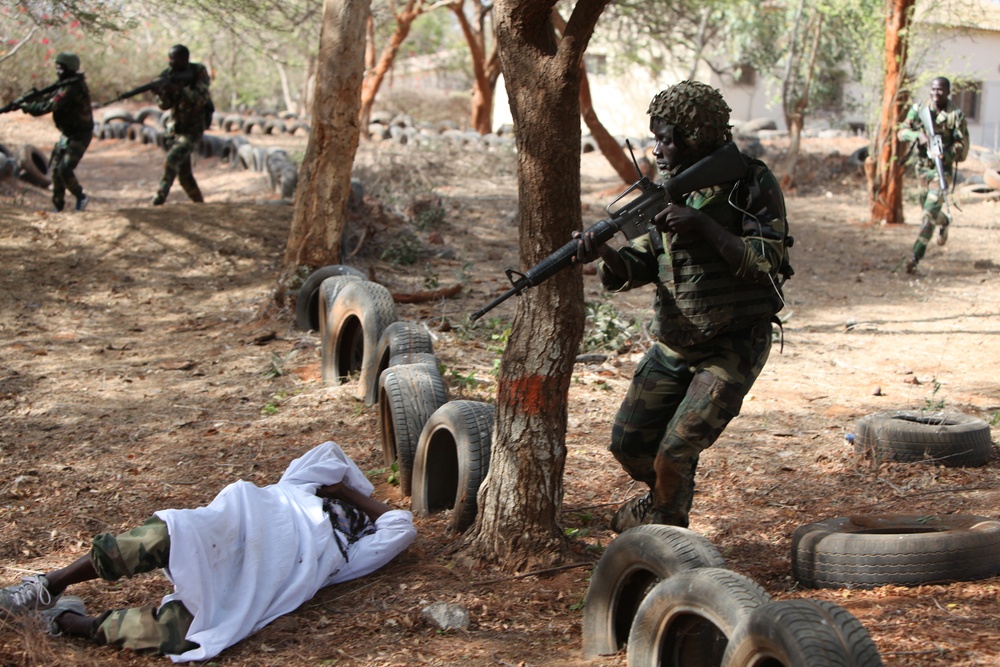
(136, 376)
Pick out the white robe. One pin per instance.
(255, 553)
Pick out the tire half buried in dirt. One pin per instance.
(307, 303)
(408, 396)
(952, 439)
(867, 551)
(453, 457)
(630, 566)
(801, 633)
(401, 337)
(358, 315)
(688, 619)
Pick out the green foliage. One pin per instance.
(271, 407)
(932, 403)
(497, 346)
(277, 364)
(404, 250)
(994, 419)
(606, 328)
(464, 381)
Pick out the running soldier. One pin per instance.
(951, 126)
(71, 112)
(190, 102)
(718, 260)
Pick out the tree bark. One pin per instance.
(485, 65)
(325, 175)
(517, 526)
(884, 167)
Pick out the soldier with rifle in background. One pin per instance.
(68, 100)
(183, 88)
(940, 133)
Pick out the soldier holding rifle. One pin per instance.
(718, 257)
(941, 134)
(68, 100)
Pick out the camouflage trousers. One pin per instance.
(932, 203)
(177, 165)
(142, 549)
(679, 403)
(66, 154)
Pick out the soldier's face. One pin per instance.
(178, 61)
(668, 151)
(939, 93)
(61, 71)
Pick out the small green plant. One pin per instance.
(606, 328)
(431, 280)
(271, 407)
(578, 605)
(429, 217)
(464, 381)
(404, 250)
(994, 419)
(499, 344)
(277, 365)
(393, 477)
(931, 405)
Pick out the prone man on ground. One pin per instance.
(252, 555)
(949, 142)
(718, 258)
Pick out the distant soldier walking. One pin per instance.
(70, 108)
(186, 94)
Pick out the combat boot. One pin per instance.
(159, 199)
(943, 231)
(911, 264)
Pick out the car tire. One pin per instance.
(630, 566)
(866, 551)
(951, 439)
(408, 396)
(801, 633)
(452, 460)
(307, 303)
(398, 338)
(358, 316)
(688, 619)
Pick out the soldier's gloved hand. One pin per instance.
(680, 219)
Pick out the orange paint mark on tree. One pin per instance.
(535, 394)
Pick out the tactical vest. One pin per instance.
(73, 115)
(697, 295)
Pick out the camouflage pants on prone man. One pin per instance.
(679, 403)
(66, 155)
(178, 165)
(932, 201)
(142, 549)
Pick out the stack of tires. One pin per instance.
(665, 592)
(440, 447)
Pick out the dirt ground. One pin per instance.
(136, 376)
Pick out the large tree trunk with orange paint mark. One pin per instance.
(325, 175)
(884, 168)
(517, 527)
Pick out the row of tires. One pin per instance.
(441, 448)
(665, 593)
(253, 124)
(236, 151)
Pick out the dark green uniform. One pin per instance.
(951, 126)
(190, 116)
(71, 112)
(714, 335)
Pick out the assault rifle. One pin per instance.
(182, 78)
(724, 165)
(34, 94)
(935, 151)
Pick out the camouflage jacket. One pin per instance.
(698, 296)
(950, 124)
(190, 104)
(70, 108)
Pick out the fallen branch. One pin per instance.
(420, 297)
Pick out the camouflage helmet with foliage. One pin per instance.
(70, 61)
(696, 110)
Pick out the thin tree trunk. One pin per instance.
(883, 166)
(325, 175)
(797, 119)
(485, 67)
(517, 526)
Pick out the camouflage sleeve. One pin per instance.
(911, 126)
(197, 94)
(961, 137)
(639, 258)
(764, 232)
(41, 107)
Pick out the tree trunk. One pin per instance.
(517, 526)
(325, 175)
(485, 66)
(884, 167)
(797, 117)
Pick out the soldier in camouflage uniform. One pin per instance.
(188, 98)
(951, 126)
(718, 259)
(70, 108)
